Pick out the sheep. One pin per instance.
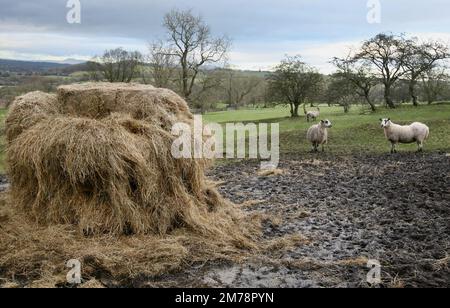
(318, 134)
(416, 132)
(312, 115)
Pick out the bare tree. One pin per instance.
(420, 59)
(434, 83)
(208, 90)
(193, 45)
(386, 53)
(162, 65)
(94, 69)
(117, 65)
(358, 73)
(239, 87)
(294, 82)
(342, 91)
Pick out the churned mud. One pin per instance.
(391, 208)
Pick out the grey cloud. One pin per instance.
(249, 19)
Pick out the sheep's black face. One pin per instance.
(326, 123)
(385, 123)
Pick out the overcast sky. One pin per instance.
(263, 31)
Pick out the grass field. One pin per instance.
(355, 132)
(352, 133)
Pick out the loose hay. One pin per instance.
(92, 166)
(270, 172)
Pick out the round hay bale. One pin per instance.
(104, 164)
(27, 110)
(143, 102)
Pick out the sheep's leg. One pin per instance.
(323, 147)
(420, 144)
(393, 149)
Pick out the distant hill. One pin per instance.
(29, 66)
(71, 61)
(69, 69)
(70, 66)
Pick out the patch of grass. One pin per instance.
(352, 133)
(247, 115)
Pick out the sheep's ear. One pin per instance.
(322, 121)
(389, 119)
(381, 120)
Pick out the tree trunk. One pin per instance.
(295, 113)
(372, 105)
(292, 109)
(185, 76)
(412, 92)
(387, 96)
(185, 85)
(369, 101)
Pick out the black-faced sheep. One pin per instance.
(318, 134)
(416, 132)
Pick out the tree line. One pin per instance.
(192, 61)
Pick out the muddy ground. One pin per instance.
(391, 208)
